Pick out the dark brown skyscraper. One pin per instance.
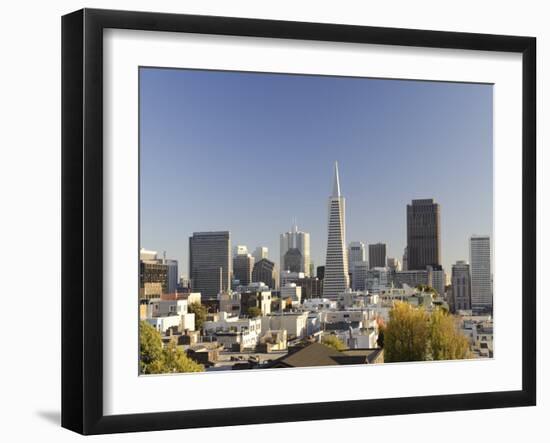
(210, 263)
(423, 234)
(377, 255)
(264, 271)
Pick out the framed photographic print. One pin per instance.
(268, 221)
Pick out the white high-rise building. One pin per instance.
(336, 278)
(480, 269)
(260, 253)
(298, 241)
(356, 253)
(240, 250)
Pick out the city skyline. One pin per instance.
(166, 223)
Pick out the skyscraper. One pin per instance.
(210, 262)
(260, 253)
(461, 287)
(293, 260)
(336, 278)
(356, 253)
(299, 240)
(242, 268)
(359, 275)
(265, 271)
(240, 250)
(377, 255)
(480, 268)
(423, 234)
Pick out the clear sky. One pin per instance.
(249, 152)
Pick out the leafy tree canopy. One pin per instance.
(157, 359)
(254, 312)
(200, 314)
(333, 342)
(412, 334)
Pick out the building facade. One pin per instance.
(242, 268)
(210, 266)
(336, 278)
(377, 280)
(356, 253)
(480, 269)
(436, 278)
(265, 271)
(423, 234)
(377, 255)
(411, 278)
(260, 253)
(295, 239)
(461, 285)
(359, 275)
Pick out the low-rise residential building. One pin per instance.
(234, 331)
(273, 341)
(317, 354)
(255, 295)
(295, 323)
(318, 304)
(163, 324)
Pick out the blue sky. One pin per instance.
(249, 152)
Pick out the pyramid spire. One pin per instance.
(336, 184)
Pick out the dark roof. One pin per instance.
(317, 354)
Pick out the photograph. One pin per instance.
(291, 220)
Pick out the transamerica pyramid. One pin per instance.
(336, 278)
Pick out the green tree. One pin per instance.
(333, 342)
(150, 349)
(156, 359)
(426, 288)
(200, 314)
(175, 360)
(406, 334)
(254, 311)
(446, 341)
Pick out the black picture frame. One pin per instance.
(82, 219)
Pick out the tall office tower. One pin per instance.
(240, 250)
(260, 253)
(293, 260)
(423, 234)
(405, 266)
(480, 268)
(336, 279)
(172, 274)
(377, 255)
(320, 272)
(210, 263)
(266, 272)
(461, 284)
(356, 252)
(311, 268)
(359, 275)
(299, 240)
(242, 268)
